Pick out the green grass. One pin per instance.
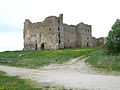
(102, 61)
(35, 59)
(14, 83)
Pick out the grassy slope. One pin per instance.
(35, 59)
(102, 61)
(14, 83)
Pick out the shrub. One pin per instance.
(113, 40)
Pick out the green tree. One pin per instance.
(113, 39)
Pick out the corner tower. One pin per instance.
(26, 34)
(60, 32)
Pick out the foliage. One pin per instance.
(35, 59)
(113, 40)
(101, 60)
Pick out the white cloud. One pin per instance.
(11, 41)
(101, 14)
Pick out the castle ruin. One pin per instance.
(52, 33)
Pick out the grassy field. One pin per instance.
(102, 61)
(35, 59)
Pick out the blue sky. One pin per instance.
(101, 14)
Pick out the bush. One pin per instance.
(102, 61)
(113, 40)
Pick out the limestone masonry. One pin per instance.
(52, 33)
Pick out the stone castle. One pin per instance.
(52, 33)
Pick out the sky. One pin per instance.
(101, 14)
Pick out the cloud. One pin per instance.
(11, 41)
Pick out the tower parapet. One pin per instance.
(61, 17)
(27, 24)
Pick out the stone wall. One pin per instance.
(94, 41)
(101, 41)
(43, 35)
(70, 36)
(84, 35)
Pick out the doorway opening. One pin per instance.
(42, 46)
(35, 46)
(87, 44)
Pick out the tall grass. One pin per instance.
(103, 61)
(35, 59)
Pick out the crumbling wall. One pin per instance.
(39, 36)
(94, 41)
(84, 35)
(70, 36)
(44, 35)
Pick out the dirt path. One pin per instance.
(74, 74)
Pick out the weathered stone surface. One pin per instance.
(101, 41)
(94, 41)
(53, 34)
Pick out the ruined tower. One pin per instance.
(84, 35)
(44, 35)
